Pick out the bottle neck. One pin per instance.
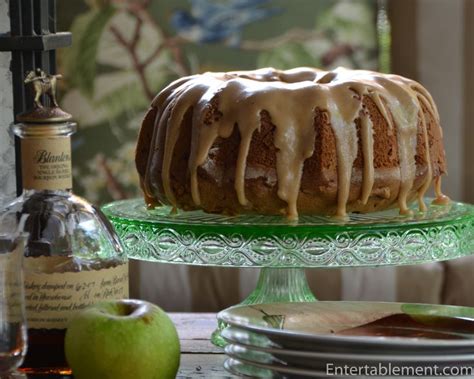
(63, 192)
(46, 163)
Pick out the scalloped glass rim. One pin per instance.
(378, 238)
(135, 211)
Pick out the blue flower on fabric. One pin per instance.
(211, 21)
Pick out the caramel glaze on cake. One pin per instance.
(297, 141)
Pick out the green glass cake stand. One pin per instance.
(283, 249)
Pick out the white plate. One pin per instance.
(321, 326)
(249, 340)
(258, 370)
(321, 361)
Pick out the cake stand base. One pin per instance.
(274, 285)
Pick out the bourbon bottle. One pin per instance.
(73, 258)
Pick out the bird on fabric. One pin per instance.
(211, 21)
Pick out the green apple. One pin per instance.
(122, 339)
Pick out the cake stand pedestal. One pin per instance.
(283, 249)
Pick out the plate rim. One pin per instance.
(374, 358)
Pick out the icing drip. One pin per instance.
(295, 143)
(367, 135)
(173, 126)
(246, 137)
(404, 109)
(429, 174)
(441, 198)
(164, 104)
(343, 111)
(290, 98)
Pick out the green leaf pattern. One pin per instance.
(87, 30)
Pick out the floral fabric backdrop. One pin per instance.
(125, 51)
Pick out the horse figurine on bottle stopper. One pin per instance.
(43, 85)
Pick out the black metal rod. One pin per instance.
(42, 42)
(33, 40)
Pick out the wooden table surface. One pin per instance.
(199, 357)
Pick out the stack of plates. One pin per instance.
(341, 339)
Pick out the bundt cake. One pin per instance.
(298, 141)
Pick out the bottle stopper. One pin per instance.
(43, 84)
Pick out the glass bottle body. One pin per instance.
(13, 341)
(73, 257)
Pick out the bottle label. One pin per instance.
(53, 298)
(46, 163)
(11, 285)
